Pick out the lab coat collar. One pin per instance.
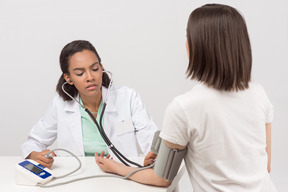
(110, 107)
(73, 120)
(73, 106)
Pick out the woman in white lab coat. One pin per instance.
(125, 120)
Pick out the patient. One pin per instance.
(225, 120)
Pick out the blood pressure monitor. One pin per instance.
(30, 172)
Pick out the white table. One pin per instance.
(64, 165)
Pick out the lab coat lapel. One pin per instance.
(74, 124)
(110, 108)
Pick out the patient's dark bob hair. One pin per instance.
(219, 48)
(66, 53)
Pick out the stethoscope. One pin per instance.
(117, 153)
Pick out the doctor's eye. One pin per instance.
(96, 69)
(79, 74)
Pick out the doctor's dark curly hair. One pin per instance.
(66, 53)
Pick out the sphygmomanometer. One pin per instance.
(168, 160)
(166, 166)
(30, 172)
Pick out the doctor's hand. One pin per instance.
(39, 158)
(107, 164)
(149, 159)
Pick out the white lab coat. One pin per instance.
(63, 121)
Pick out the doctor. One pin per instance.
(125, 120)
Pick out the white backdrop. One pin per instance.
(142, 43)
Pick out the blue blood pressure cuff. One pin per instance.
(168, 160)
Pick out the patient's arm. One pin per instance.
(146, 176)
(268, 145)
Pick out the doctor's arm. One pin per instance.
(146, 176)
(42, 135)
(143, 122)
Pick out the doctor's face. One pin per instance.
(85, 73)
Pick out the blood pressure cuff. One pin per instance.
(156, 142)
(168, 160)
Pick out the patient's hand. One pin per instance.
(107, 164)
(149, 159)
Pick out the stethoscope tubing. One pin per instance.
(117, 153)
(109, 144)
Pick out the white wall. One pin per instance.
(141, 42)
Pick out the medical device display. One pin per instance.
(110, 145)
(168, 160)
(30, 172)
